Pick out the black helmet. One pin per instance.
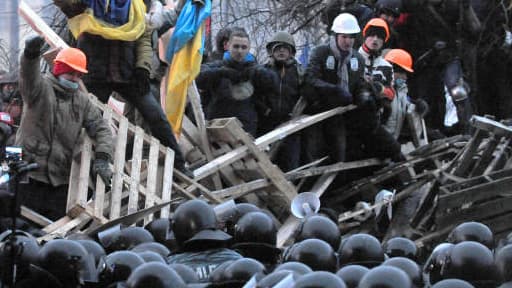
(503, 262)
(242, 270)
(93, 248)
(470, 261)
(161, 229)
(452, 283)
(154, 275)
(150, 256)
(352, 274)
(240, 210)
(153, 247)
(436, 261)
(320, 227)
(400, 247)
(186, 273)
(472, 231)
(129, 237)
(256, 227)
(410, 267)
(297, 267)
(195, 221)
(117, 266)
(385, 277)
(68, 261)
(275, 277)
(319, 279)
(27, 251)
(362, 249)
(217, 275)
(393, 7)
(315, 253)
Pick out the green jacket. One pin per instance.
(51, 124)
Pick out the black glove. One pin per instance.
(342, 97)
(33, 45)
(141, 77)
(230, 73)
(421, 107)
(101, 167)
(378, 88)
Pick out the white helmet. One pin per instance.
(345, 23)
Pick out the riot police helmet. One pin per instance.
(154, 247)
(362, 249)
(470, 261)
(315, 253)
(320, 279)
(400, 247)
(117, 266)
(352, 274)
(93, 248)
(472, 231)
(195, 221)
(186, 273)
(154, 275)
(297, 267)
(320, 227)
(452, 283)
(411, 268)
(68, 261)
(130, 237)
(503, 260)
(385, 277)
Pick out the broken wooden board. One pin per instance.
(267, 139)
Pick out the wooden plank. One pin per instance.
(267, 139)
(274, 174)
(99, 193)
(476, 213)
(152, 175)
(486, 157)
(133, 199)
(467, 157)
(499, 160)
(167, 185)
(474, 194)
(40, 26)
(79, 196)
(119, 160)
(35, 217)
(195, 101)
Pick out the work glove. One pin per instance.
(101, 167)
(33, 45)
(421, 107)
(342, 97)
(141, 76)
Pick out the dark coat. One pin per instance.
(223, 103)
(52, 122)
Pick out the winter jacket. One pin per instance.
(278, 109)
(52, 121)
(110, 60)
(379, 70)
(240, 97)
(399, 108)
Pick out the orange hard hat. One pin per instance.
(74, 58)
(377, 22)
(401, 58)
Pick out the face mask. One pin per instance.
(399, 82)
(68, 84)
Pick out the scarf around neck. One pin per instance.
(343, 58)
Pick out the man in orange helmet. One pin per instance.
(55, 111)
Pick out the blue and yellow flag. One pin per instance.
(184, 53)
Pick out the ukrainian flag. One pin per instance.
(184, 53)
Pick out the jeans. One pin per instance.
(150, 109)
